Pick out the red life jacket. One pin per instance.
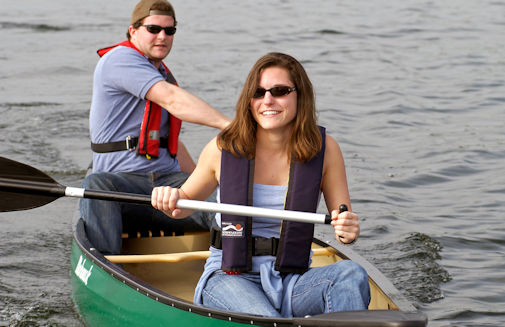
(293, 253)
(149, 137)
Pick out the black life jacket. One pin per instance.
(149, 136)
(236, 182)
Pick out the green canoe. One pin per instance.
(156, 287)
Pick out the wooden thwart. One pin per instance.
(182, 256)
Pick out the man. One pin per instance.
(135, 118)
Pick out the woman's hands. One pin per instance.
(165, 198)
(346, 226)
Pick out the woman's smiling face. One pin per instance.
(274, 112)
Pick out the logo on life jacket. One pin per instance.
(231, 230)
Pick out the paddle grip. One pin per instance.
(341, 209)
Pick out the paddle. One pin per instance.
(182, 256)
(24, 187)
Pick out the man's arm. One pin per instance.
(185, 105)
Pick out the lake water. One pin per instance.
(414, 92)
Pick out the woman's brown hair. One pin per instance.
(239, 138)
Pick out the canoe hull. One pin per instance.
(107, 295)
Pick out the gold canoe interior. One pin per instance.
(179, 279)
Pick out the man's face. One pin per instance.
(155, 46)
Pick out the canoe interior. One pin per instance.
(180, 279)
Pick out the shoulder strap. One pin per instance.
(303, 195)
(235, 187)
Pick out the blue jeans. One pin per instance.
(341, 286)
(106, 220)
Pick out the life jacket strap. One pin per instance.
(130, 144)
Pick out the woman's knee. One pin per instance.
(220, 290)
(354, 274)
(237, 294)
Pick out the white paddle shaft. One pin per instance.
(241, 210)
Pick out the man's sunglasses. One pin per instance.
(276, 91)
(155, 29)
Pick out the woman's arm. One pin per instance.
(185, 161)
(199, 185)
(334, 186)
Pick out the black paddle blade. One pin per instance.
(24, 187)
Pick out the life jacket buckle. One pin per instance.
(130, 145)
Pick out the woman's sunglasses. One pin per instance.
(155, 29)
(276, 91)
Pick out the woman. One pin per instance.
(273, 155)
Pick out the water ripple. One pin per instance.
(330, 31)
(415, 257)
(422, 179)
(28, 104)
(474, 314)
(35, 27)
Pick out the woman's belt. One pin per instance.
(261, 245)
